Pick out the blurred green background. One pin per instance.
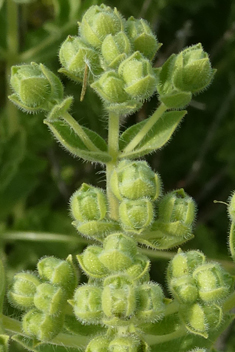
(37, 177)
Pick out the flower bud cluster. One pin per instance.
(118, 293)
(184, 74)
(44, 296)
(136, 186)
(35, 88)
(114, 56)
(199, 287)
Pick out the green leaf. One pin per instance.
(74, 144)
(159, 134)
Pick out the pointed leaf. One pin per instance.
(74, 144)
(75, 327)
(159, 134)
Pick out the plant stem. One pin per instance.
(229, 303)
(157, 339)
(145, 129)
(11, 59)
(47, 42)
(79, 130)
(113, 149)
(40, 237)
(232, 240)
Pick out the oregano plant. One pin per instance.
(119, 308)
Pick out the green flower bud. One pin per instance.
(23, 289)
(97, 229)
(134, 180)
(119, 252)
(36, 88)
(142, 37)
(184, 264)
(88, 203)
(194, 319)
(42, 326)
(231, 207)
(74, 55)
(91, 263)
(193, 71)
(50, 299)
(168, 94)
(58, 272)
(214, 316)
(115, 49)
(177, 206)
(136, 215)
(184, 289)
(98, 22)
(150, 302)
(98, 344)
(128, 343)
(4, 339)
(87, 304)
(138, 74)
(214, 283)
(118, 297)
(110, 88)
(139, 270)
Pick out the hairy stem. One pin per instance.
(113, 149)
(146, 128)
(79, 130)
(158, 339)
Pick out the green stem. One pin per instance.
(158, 339)
(171, 308)
(79, 130)
(113, 149)
(145, 129)
(46, 43)
(40, 237)
(11, 59)
(232, 240)
(66, 340)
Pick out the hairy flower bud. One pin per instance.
(88, 203)
(42, 326)
(150, 305)
(177, 206)
(134, 180)
(139, 270)
(50, 299)
(23, 289)
(98, 344)
(128, 344)
(91, 263)
(214, 283)
(138, 74)
(192, 71)
(184, 289)
(231, 207)
(36, 88)
(184, 264)
(136, 215)
(110, 87)
(142, 37)
(74, 55)
(58, 272)
(98, 22)
(115, 49)
(119, 252)
(194, 318)
(87, 304)
(118, 297)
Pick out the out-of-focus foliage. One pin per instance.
(37, 177)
